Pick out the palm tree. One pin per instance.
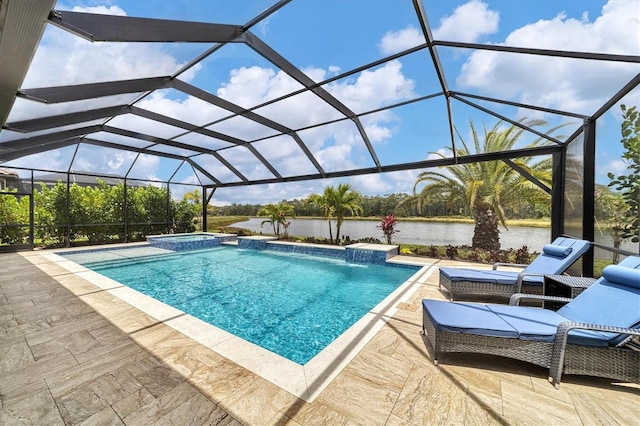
(323, 202)
(488, 188)
(345, 202)
(277, 215)
(337, 203)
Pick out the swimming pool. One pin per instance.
(291, 304)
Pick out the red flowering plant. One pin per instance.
(388, 225)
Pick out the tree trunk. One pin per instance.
(616, 244)
(486, 234)
(330, 232)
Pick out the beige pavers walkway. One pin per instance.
(71, 353)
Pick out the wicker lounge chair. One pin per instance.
(587, 336)
(555, 258)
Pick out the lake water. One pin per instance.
(422, 233)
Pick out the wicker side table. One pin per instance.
(564, 286)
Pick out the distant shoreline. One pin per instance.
(533, 223)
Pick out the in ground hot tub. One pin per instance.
(181, 242)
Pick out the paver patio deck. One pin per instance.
(71, 353)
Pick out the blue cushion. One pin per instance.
(551, 264)
(631, 262)
(469, 318)
(489, 276)
(480, 275)
(543, 264)
(558, 251)
(541, 325)
(605, 303)
(622, 275)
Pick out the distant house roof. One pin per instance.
(7, 172)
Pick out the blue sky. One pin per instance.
(324, 39)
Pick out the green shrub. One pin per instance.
(14, 215)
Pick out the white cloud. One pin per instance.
(216, 168)
(336, 154)
(154, 180)
(402, 181)
(189, 109)
(102, 10)
(377, 133)
(375, 184)
(258, 80)
(439, 154)
(271, 193)
(285, 154)
(63, 58)
(90, 158)
(146, 167)
(372, 184)
(574, 85)
(397, 41)
(373, 89)
(263, 26)
(617, 167)
(336, 144)
(116, 162)
(468, 23)
(56, 159)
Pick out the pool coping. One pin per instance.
(304, 381)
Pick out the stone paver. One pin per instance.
(64, 362)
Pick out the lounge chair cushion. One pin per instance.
(622, 275)
(552, 264)
(543, 264)
(605, 303)
(523, 322)
(541, 324)
(468, 318)
(480, 275)
(557, 251)
(488, 276)
(609, 301)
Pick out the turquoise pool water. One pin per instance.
(291, 304)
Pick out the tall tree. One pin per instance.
(611, 209)
(337, 203)
(323, 202)
(487, 188)
(629, 185)
(346, 202)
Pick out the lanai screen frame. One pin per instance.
(28, 19)
(32, 183)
